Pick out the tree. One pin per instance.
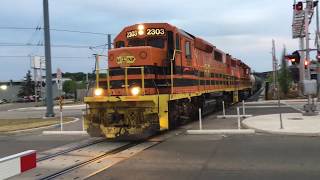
(69, 87)
(285, 77)
(27, 88)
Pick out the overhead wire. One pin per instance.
(51, 29)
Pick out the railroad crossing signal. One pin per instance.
(306, 64)
(61, 103)
(318, 56)
(294, 58)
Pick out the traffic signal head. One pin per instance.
(298, 6)
(294, 57)
(306, 64)
(318, 56)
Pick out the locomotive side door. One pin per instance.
(178, 55)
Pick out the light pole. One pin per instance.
(49, 98)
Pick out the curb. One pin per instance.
(280, 133)
(39, 128)
(64, 133)
(220, 131)
(233, 116)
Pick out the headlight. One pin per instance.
(141, 29)
(98, 92)
(135, 91)
(3, 87)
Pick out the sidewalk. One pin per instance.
(293, 124)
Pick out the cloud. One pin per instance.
(242, 28)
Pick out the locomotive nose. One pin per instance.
(135, 56)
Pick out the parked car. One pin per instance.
(3, 101)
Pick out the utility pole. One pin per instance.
(109, 41)
(274, 68)
(318, 49)
(49, 98)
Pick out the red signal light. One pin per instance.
(306, 64)
(299, 6)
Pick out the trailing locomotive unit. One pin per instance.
(158, 76)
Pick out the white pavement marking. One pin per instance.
(78, 106)
(44, 127)
(300, 110)
(220, 131)
(64, 133)
(257, 107)
(232, 116)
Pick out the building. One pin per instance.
(13, 88)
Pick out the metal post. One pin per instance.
(35, 80)
(274, 68)
(243, 109)
(239, 120)
(97, 70)
(61, 121)
(306, 20)
(200, 119)
(318, 49)
(301, 65)
(109, 41)
(83, 114)
(40, 75)
(307, 48)
(49, 98)
(223, 110)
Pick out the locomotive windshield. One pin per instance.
(154, 42)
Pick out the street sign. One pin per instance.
(38, 62)
(59, 79)
(59, 74)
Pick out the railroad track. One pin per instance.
(85, 159)
(69, 148)
(84, 163)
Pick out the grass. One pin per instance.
(7, 125)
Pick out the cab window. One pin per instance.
(188, 49)
(177, 41)
(158, 43)
(218, 56)
(120, 44)
(136, 42)
(154, 42)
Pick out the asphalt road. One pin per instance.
(227, 157)
(238, 157)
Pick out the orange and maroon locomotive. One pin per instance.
(158, 76)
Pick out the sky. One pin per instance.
(242, 28)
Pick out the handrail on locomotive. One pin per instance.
(126, 85)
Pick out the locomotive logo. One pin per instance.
(125, 60)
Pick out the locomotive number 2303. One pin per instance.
(156, 32)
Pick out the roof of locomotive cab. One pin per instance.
(135, 26)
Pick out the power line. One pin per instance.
(58, 46)
(57, 57)
(38, 28)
